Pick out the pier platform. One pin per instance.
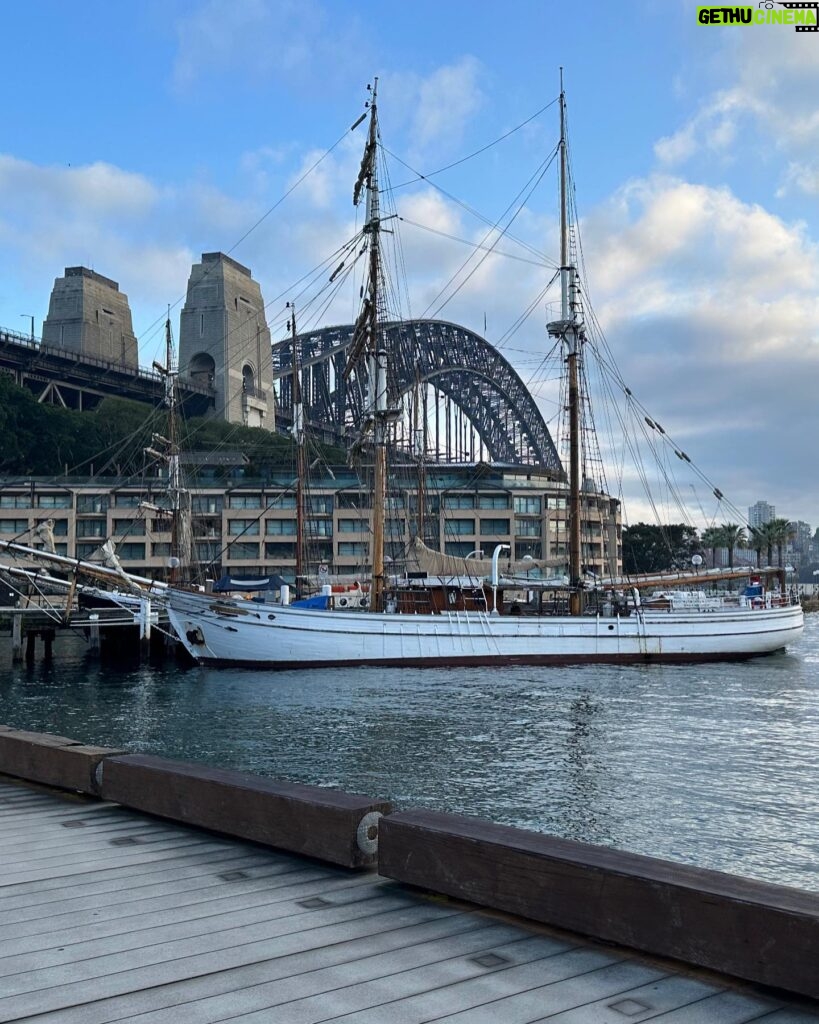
(109, 914)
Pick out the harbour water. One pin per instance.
(715, 765)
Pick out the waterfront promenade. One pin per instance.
(107, 914)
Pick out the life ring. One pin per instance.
(364, 602)
(342, 602)
(757, 602)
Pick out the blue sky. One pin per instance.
(138, 135)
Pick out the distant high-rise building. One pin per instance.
(224, 340)
(89, 315)
(761, 513)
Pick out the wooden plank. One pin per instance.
(51, 760)
(338, 827)
(767, 934)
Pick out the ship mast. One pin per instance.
(570, 330)
(298, 437)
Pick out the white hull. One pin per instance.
(245, 633)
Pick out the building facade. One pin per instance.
(761, 513)
(250, 526)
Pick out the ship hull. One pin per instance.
(243, 633)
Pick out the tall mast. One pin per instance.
(298, 437)
(570, 331)
(377, 364)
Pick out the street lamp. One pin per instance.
(28, 316)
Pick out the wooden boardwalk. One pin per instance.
(110, 915)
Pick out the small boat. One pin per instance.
(464, 618)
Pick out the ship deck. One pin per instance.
(111, 915)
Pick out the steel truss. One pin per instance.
(456, 362)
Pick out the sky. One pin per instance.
(136, 136)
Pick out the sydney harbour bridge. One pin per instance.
(471, 403)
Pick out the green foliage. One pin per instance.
(42, 440)
(648, 548)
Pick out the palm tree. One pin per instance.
(712, 538)
(733, 536)
(779, 531)
(758, 540)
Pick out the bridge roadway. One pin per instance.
(111, 915)
(60, 377)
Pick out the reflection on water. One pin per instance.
(716, 765)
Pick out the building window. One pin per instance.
(459, 527)
(494, 501)
(207, 552)
(555, 503)
(128, 527)
(92, 503)
(54, 501)
(320, 504)
(319, 528)
(207, 504)
(162, 550)
(459, 501)
(245, 501)
(13, 525)
(527, 527)
(353, 526)
(127, 500)
(86, 550)
(282, 501)
(528, 549)
(354, 501)
(243, 527)
(494, 527)
(131, 552)
(279, 550)
(243, 550)
(527, 506)
(92, 528)
(459, 548)
(353, 549)
(281, 527)
(15, 501)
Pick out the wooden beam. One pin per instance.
(763, 933)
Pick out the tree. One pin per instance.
(650, 548)
(733, 536)
(779, 532)
(712, 539)
(758, 541)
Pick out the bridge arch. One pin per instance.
(456, 362)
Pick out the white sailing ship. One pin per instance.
(463, 618)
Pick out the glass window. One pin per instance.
(128, 527)
(59, 527)
(494, 501)
(243, 527)
(243, 549)
(162, 525)
(207, 552)
(245, 501)
(53, 501)
(527, 527)
(131, 552)
(13, 526)
(353, 549)
(281, 527)
(321, 551)
(127, 500)
(555, 503)
(207, 504)
(393, 527)
(458, 527)
(320, 503)
(92, 503)
(354, 500)
(86, 550)
(279, 550)
(15, 501)
(494, 527)
(460, 548)
(532, 548)
(353, 526)
(527, 506)
(281, 501)
(162, 550)
(459, 501)
(319, 528)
